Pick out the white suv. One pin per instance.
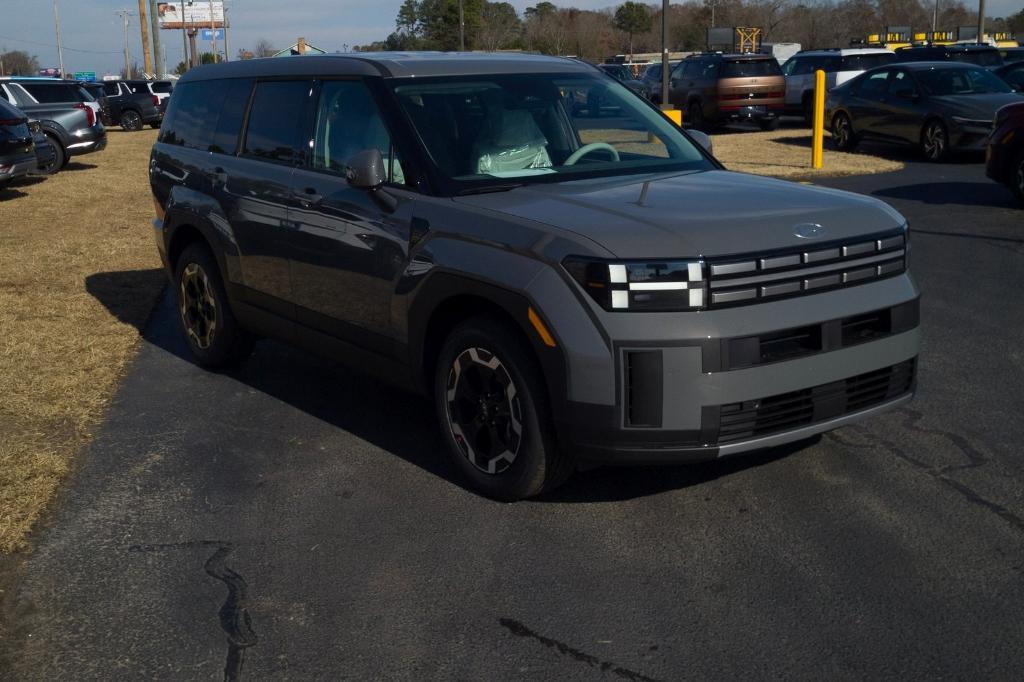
(839, 66)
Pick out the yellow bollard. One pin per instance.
(818, 131)
(675, 114)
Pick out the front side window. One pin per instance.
(902, 85)
(539, 128)
(349, 121)
(275, 120)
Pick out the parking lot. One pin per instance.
(294, 519)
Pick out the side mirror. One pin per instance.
(366, 169)
(703, 139)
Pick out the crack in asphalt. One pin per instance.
(975, 459)
(520, 630)
(234, 616)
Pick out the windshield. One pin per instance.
(750, 67)
(540, 128)
(939, 81)
(863, 62)
(979, 57)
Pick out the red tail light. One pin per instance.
(90, 114)
(156, 101)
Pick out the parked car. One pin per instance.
(569, 294)
(941, 107)
(72, 127)
(651, 80)
(715, 88)
(162, 89)
(129, 109)
(1013, 74)
(46, 152)
(980, 55)
(17, 153)
(622, 74)
(53, 91)
(1004, 153)
(1011, 54)
(839, 66)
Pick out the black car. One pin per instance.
(979, 55)
(651, 80)
(68, 117)
(941, 107)
(128, 107)
(1013, 74)
(17, 153)
(1012, 54)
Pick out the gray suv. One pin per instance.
(570, 291)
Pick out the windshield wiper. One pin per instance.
(486, 189)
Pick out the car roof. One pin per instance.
(391, 65)
(844, 51)
(922, 66)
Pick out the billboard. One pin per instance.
(193, 14)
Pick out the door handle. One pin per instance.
(308, 195)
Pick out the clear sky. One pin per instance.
(93, 37)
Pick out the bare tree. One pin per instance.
(264, 48)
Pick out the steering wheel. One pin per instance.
(592, 147)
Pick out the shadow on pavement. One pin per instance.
(77, 166)
(397, 421)
(980, 193)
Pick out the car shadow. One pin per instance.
(77, 166)
(984, 193)
(8, 193)
(369, 409)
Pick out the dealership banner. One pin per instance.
(195, 14)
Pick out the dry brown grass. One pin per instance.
(787, 154)
(78, 277)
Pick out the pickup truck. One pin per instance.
(123, 107)
(67, 118)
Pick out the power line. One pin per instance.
(65, 47)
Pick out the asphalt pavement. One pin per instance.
(293, 519)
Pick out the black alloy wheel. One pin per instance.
(934, 141)
(59, 157)
(842, 132)
(131, 121)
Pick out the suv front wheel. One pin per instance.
(493, 412)
(213, 334)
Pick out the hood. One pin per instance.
(705, 213)
(980, 107)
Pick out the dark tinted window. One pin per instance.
(1014, 76)
(902, 85)
(875, 84)
(653, 72)
(979, 57)
(48, 93)
(961, 81)
(111, 89)
(161, 87)
(278, 109)
(229, 125)
(863, 62)
(739, 68)
(191, 118)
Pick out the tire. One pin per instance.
(154, 126)
(843, 137)
(934, 141)
(768, 124)
(695, 114)
(1016, 179)
(211, 331)
(483, 371)
(131, 121)
(60, 158)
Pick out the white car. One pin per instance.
(839, 66)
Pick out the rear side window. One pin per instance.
(232, 114)
(191, 119)
(47, 93)
(863, 62)
(277, 115)
(161, 87)
(752, 68)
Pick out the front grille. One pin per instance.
(749, 278)
(787, 411)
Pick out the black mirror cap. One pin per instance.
(366, 169)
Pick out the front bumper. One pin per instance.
(696, 386)
(969, 138)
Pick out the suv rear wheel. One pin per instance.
(213, 334)
(493, 412)
(1017, 177)
(131, 120)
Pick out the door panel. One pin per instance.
(867, 105)
(349, 245)
(904, 109)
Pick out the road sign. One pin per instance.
(87, 76)
(207, 34)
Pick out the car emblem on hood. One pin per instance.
(809, 230)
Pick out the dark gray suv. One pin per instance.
(571, 291)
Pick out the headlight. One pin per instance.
(641, 285)
(981, 123)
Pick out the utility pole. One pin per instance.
(227, 54)
(159, 61)
(192, 44)
(664, 53)
(147, 60)
(60, 49)
(462, 28)
(127, 65)
(935, 17)
(981, 21)
(213, 33)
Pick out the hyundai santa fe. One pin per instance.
(570, 291)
